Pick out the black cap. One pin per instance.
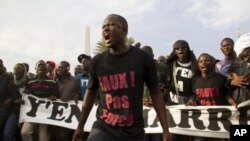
(83, 56)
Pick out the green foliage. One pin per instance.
(130, 41)
(101, 46)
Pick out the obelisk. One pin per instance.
(86, 48)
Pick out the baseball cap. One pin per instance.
(82, 56)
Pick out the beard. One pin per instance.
(21, 81)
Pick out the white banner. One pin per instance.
(206, 121)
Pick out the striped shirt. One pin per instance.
(42, 88)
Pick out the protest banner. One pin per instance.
(206, 121)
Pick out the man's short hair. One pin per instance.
(121, 19)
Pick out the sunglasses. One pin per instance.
(180, 48)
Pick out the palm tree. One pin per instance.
(101, 46)
(130, 40)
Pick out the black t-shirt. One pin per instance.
(121, 79)
(183, 73)
(210, 91)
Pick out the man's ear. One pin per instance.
(125, 30)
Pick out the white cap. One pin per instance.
(241, 43)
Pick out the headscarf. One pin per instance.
(241, 43)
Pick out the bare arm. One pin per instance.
(87, 105)
(231, 101)
(159, 105)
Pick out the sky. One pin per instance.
(31, 30)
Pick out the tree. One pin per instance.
(101, 46)
(130, 41)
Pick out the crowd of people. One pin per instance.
(122, 80)
(50, 81)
